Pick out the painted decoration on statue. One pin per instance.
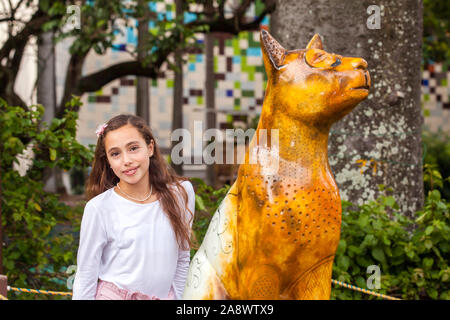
(275, 234)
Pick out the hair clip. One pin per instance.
(100, 129)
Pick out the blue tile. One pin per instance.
(254, 52)
(237, 59)
(229, 93)
(191, 67)
(425, 82)
(189, 17)
(131, 37)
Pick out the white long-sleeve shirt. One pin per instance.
(131, 245)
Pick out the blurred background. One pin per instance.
(68, 66)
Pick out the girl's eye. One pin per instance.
(134, 148)
(336, 63)
(114, 154)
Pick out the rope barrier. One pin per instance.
(349, 286)
(345, 285)
(40, 291)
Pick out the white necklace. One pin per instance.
(148, 196)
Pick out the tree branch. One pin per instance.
(97, 80)
(235, 24)
(73, 75)
(33, 27)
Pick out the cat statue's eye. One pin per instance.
(317, 58)
(338, 62)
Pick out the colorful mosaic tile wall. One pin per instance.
(239, 74)
(240, 82)
(436, 96)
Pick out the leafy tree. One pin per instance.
(31, 218)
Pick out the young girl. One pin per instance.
(135, 230)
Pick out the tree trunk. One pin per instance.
(142, 88)
(210, 98)
(177, 112)
(46, 95)
(382, 137)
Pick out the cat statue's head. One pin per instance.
(312, 85)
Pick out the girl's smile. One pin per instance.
(131, 171)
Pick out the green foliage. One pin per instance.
(33, 220)
(436, 46)
(437, 162)
(412, 254)
(207, 200)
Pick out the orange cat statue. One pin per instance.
(275, 234)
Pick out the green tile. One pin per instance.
(444, 82)
(170, 83)
(252, 43)
(91, 98)
(237, 103)
(237, 85)
(236, 49)
(426, 97)
(244, 63)
(260, 69)
(216, 63)
(248, 93)
(99, 92)
(229, 118)
(200, 100)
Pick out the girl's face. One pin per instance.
(128, 154)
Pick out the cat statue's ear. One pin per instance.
(273, 52)
(315, 43)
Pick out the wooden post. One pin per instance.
(3, 285)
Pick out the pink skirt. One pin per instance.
(109, 291)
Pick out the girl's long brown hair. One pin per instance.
(161, 176)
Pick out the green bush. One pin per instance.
(39, 240)
(412, 254)
(207, 200)
(437, 161)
